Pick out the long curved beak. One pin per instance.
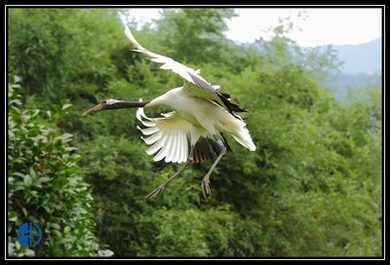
(96, 108)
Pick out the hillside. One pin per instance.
(361, 66)
(364, 58)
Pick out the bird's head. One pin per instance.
(104, 105)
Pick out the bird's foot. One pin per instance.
(206, 186)
(155, 193)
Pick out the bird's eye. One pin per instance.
(104, 102)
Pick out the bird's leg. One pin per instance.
(206, 179)
(156, 192)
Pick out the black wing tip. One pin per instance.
(224, 96)
(227, 100)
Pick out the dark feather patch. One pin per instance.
(226, 143)
(202, 84)
(230, 105)
(202, 151)
(225, 97)
(204, 147)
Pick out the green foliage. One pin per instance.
(44, 185)
(194, 35)
(312, 188)
(51, 48)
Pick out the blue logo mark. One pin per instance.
(29, 234)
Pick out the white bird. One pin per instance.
(201, 113)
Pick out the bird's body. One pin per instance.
(200, 114)
(197, 111)
(208, 118)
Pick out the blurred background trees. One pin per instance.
(312, 188)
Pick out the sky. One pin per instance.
(312, 27)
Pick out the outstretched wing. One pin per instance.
(194, 82)
(171, 137)
(167, 136)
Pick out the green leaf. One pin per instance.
(66, 229)
(66, 106)
(27, 180)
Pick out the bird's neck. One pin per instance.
(127, 104)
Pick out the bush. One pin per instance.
(44, 185)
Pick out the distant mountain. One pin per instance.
(362, 66)
(342, 84)
(360, 59)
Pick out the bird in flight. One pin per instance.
(194, 129)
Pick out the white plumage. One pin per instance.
(198, 111)
(200, 114)
(167, 136)
(193, 103)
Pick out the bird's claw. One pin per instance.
(206, 187)
(155, 193)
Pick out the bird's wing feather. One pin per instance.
(171, 137)
(193, 80)
(168, 136)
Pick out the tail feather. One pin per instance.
(245, 139)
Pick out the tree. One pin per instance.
(194, 35)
